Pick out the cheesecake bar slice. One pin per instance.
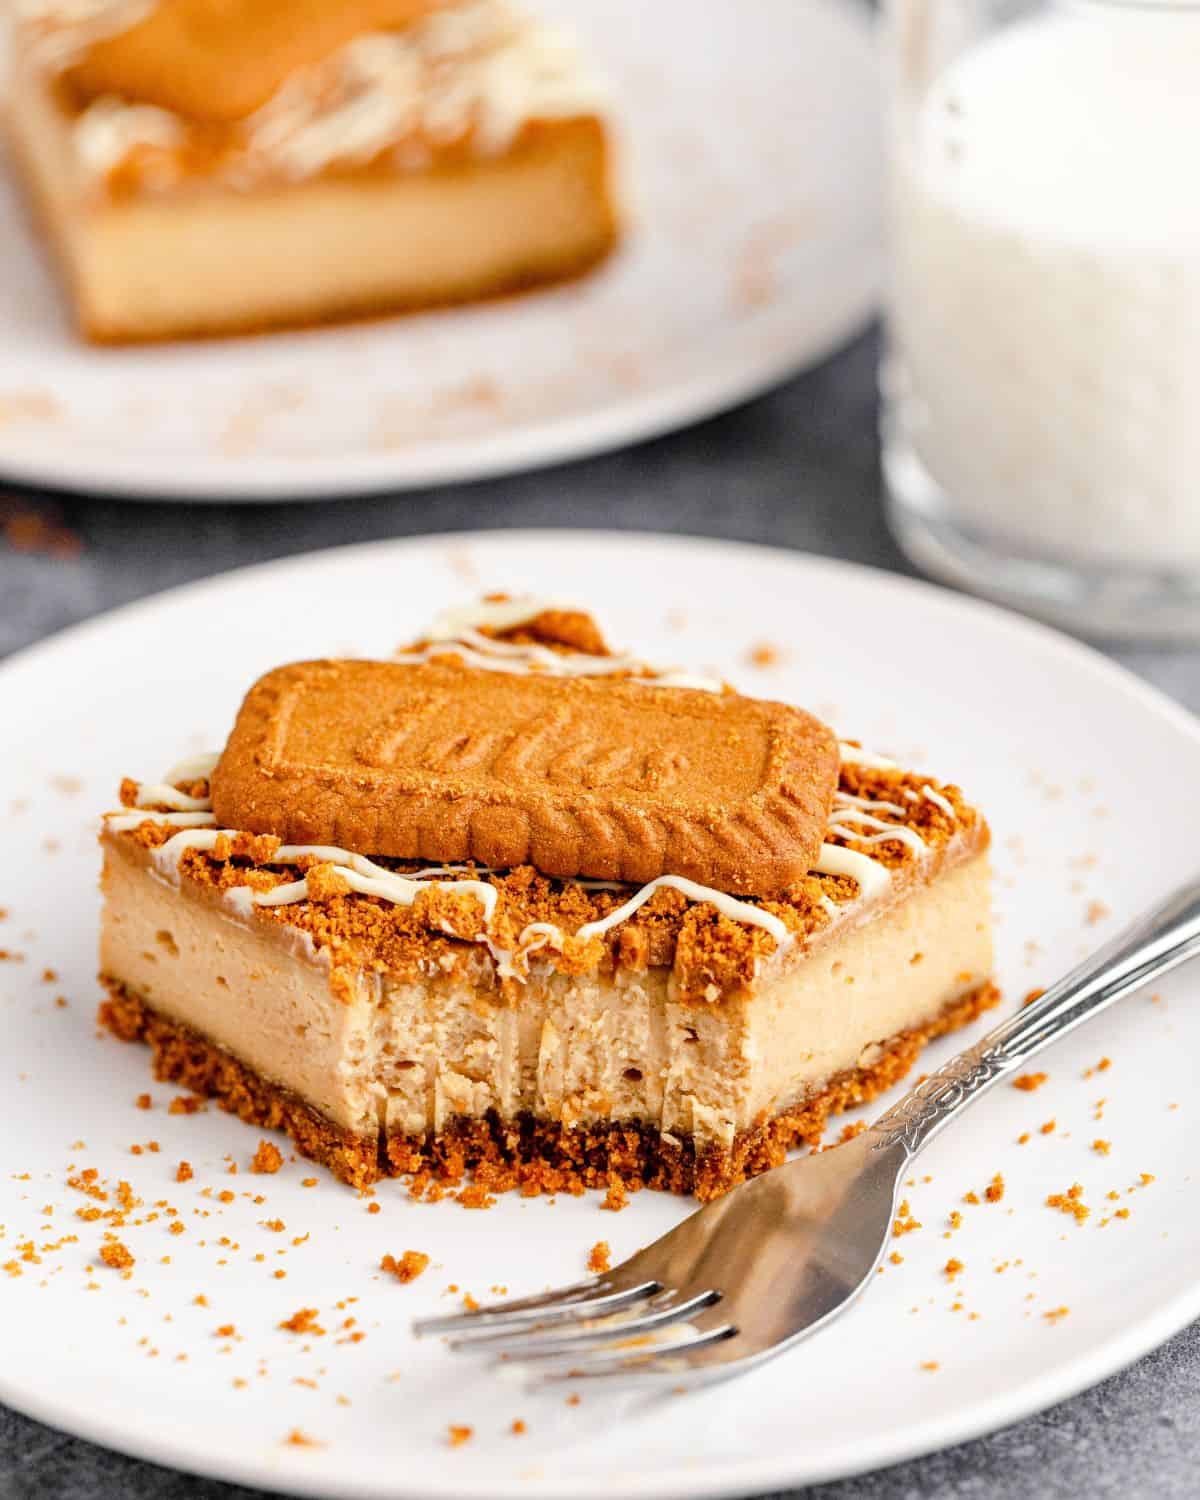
(542, 1030)
(201, 168)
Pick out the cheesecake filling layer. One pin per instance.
(411, 1056)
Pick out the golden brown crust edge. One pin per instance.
(437, 761)
(527, 1155)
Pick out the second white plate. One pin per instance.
(186, 1363)
(750, 159)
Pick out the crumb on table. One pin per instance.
(267, 1158)
(406, 1267)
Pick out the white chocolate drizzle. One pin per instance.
(460, 632)
(728, 906)
(873, 878)
(886, 831)
(855, 755)
(939, 801)
(193, 767)
(163, 794)
(123, 822)
(109, 129)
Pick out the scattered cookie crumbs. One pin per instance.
(600, 1258)
(470, 1304)
(1096, 912)
(474, 1195)
(930, 1364)
(1056, 1314)
(308, 1182)
(298, 1439)
(1049, 1127)
(187, 1104)
(574, 1399)
(956, 1219)
(303, 1321)
(1101, 1148)
(972, 1198)
(896, 1258)
(226, 1331)
(953, 1267)
(114, 1254)
(456, 1436)
(183, 1172)
(617, 1196)
(42, 530)
(407, 1267)
(373, 1208)
(764, 655)
(519, 1428)
(267, 1159)
(1035, 994)
(995, 1189)
(1146, 1179)
(904, 1222)
(1070, 1202)
(1024, 1138)
(143, 1101)
(1030, 1082)
(225, 1196)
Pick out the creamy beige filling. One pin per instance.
(260, 993)
(573, 1049)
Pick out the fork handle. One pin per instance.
(1166, 935)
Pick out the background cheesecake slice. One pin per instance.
(461, 156)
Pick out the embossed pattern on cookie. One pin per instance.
(605, 778)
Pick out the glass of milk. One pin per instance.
(1042, 382)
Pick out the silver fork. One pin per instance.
(747, 1276)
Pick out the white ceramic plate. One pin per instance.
(1075, 763)
(750, 160)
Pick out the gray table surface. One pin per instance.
(799, 469)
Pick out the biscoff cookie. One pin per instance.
(604, 777)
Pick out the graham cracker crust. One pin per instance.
(528, 1155)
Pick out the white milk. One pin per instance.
(1047, 296)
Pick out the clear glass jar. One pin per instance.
(1041, 386)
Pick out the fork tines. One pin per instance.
(589, 1329)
